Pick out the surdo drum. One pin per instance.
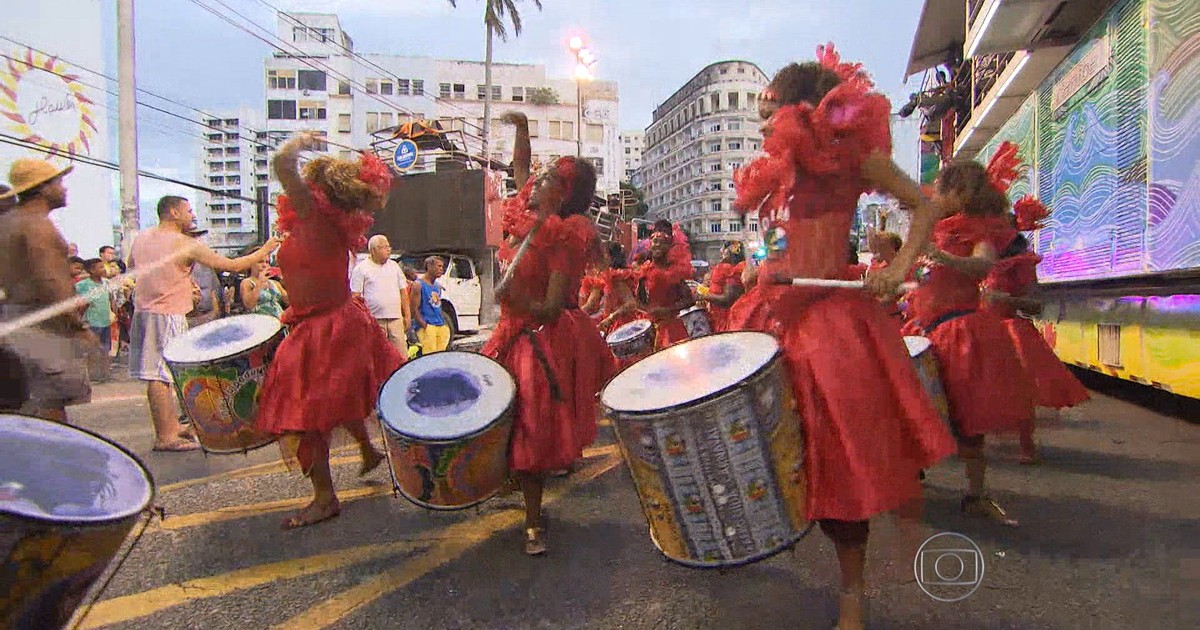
(219, 369)
(633, 340)
(68, 499)
(696, 321)
(920, 349)
(714, 448)
(447, 418)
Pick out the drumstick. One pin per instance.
(841, 284)
(508, 273)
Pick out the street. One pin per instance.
(1107, 540)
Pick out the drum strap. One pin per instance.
(536, 344)
(952, 315)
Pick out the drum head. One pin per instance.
(689, 371)
(445, 395)
(916, 345)
(221, 338)
(629, 331)
(52, 471)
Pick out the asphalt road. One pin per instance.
(1109, 538)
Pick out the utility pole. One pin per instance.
(487, 98)
(127, 133)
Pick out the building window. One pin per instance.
(715, 98)
(715, 206)
(344, 123)
(753, 227)
(562, 130)
(443, 90)
(628, 151)
(735, 145)
(372, 122)
(480, 92)
(599, 164)
(311, 80)
(418, 87)
(595, 133)
(385, 88)
(714, 147)
(733, 100)
(312, 111)
(518, 95)
(343, 88)
(460, 91)
(714, 187)
(714, 128)
(372, 86)
(281, 79)
(714, 167)
(735, 226)
(751, 100)
(533, 128)
(402, 87)
(281, 110)
(714, 228)
(735, 125)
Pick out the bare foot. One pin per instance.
(371, 460)
(313, 513)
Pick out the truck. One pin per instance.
(1099, 95)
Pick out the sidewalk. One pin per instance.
(472, 342)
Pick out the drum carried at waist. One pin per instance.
(632, 341)
(920, 349)
(68, 499)
(219, 369)
(447, 419)
(697, 321)
(714, 447)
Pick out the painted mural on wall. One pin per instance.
(1173, 230)
(1092, 162)
(1021, 130)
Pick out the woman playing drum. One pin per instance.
(725, 287)
(662, 287)
(551, 347)
(1008, 293)
(868, 423)
(328, 370)
(619, 306)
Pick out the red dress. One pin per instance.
(587, 285)
(725, 276)
(559, 366)
(868, 423)
(893, 305)
(986, 387)
(664, 287)
(328, 370)
(612, 280)
(1056, 386)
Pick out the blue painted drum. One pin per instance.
(633, 340)
(68, 499)
(926, 364)
(447, 419)
(714, 448)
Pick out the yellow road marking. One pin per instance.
(235, 512)
(255, 470)
(605, 422)
(457, 540)
(129, 607)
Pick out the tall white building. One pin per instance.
(632, 143)
(233, 161)
(400, 89)
(704, 131)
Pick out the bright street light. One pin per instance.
(582, 73)
(575, 43)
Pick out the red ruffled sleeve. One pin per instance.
(574, 245)
(960, 233)
(1014, 275)
(610, 277)
(351, 226)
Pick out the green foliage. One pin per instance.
(542, 96)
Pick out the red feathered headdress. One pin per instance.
(1005, 167)
(374, 173)
(1030, 213)
(848, 72)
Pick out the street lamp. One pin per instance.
(584, 61)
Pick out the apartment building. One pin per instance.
(233, 162)
(632, 143)
(697, 137)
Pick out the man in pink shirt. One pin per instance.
(161, 258)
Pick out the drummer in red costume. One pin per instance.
(1009, 292)
(868, 423)
(553, 350)
(884, 247)
(986, 387)
(618, 281)
(725, 287)
(328, 370)
(662, 286)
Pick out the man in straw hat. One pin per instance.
(33, 275)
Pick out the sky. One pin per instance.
(649, 48)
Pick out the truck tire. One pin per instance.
(451, 317)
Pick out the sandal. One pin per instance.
(987, 507)
(178, 445)
(534, 545)
(305, 517)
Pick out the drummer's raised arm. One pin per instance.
(207, 257)
(522, 150)
(287, 170)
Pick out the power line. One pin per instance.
(91, 161)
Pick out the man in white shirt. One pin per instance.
(381, 283)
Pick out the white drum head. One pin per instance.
(689, 371)
(445, 395)
(689, 310)
(55, 472)
(221, 338)
(629, 331)
(916, 345)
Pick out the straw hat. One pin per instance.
(29, 173)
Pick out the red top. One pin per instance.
(1014, 275)
(947, 290)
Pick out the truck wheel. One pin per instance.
(451, 318)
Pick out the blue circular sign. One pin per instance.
(405, 155)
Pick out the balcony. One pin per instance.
(997, 26)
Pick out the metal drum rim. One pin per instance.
(104, 521)
(775, 358)
(281, 329)
(282, 332)
(507, 408)
(694, 564)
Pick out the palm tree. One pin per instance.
(493, 18)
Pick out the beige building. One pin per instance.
(698, 136)
(633, 142)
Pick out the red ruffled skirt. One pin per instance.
(669, 332)
(1055, 385)
(987, 389)
(551, 431)
(869, 425)
(327, 371)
